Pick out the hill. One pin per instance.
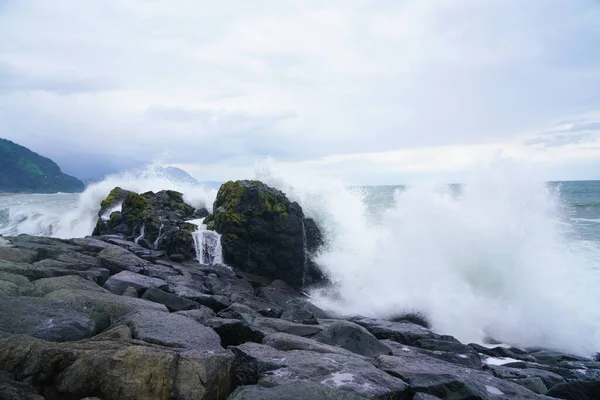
(23, 171)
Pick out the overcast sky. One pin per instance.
(373, 91)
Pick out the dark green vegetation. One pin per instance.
(23, 171)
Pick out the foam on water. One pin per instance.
(496, 261)
(67, 215)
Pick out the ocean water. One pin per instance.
(504, 255)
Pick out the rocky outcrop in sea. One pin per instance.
(130, 313)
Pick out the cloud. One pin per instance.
(229, 83)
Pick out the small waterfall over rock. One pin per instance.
(142, 233)
(207, 244)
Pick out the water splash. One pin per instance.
(45, 215)
(495, 259)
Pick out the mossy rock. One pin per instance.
(262, 231)
(114, 198)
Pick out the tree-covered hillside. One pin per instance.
(22, 170)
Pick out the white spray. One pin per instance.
(495, 261)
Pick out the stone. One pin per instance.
(280, 325)
(300, 310)
(287, 342)
(262, 232)
(131, 292)
(103, 307)
(171, 330)
(587, 390)
(45, 319)
(469, 360)
(116, 370)
(278, 292)
(156, 221)
(549, 379)
(534, 384)
(352, 337)
(14, 254)
(13, 390)
(401, 332)
(49, 268)
(199, 315)
(44, 286)
(429, 375)
(8, 289)
(117, 260)
(239, 311)
(233, 332)
(171, 301)
(121, 281)
(256, 363)
(293, 391)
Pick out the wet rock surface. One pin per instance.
(107, 318)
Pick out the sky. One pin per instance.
(370, 91)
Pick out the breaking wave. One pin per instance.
(496, 258)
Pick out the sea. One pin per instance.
(504, 255)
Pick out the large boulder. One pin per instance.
(116, 370)
(262, 232)
(46, 319)
(156, 221)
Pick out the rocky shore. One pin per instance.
(130, 313)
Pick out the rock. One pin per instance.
(92, 244)
(280, 325)
(278, 292)
(239, 311)
(117, 260)
(262, 232)
(132, 292)
(199, 315)
(300, 310)
(171, 330)
(18, 255)
(8, 289)
(215, 302)
(534, 384)
(449, 346)
(549, 379)
(413, 317)
(233, 332)
(352, 337)
(121, 281)
(14, 285)
(401, 332)
(116, 370)
(44, 247)
(171, 301)
(438, 378)
(77, 261)
(293, 391)
(13, 390)
(227, 285)
(287, 342)
(576, 390)
(49, 268)
(114, 200)
(256, 363)
(424, 396)
(103, 308)
(45, 319)
(469, 360)
(44, 286)
(155, 220)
